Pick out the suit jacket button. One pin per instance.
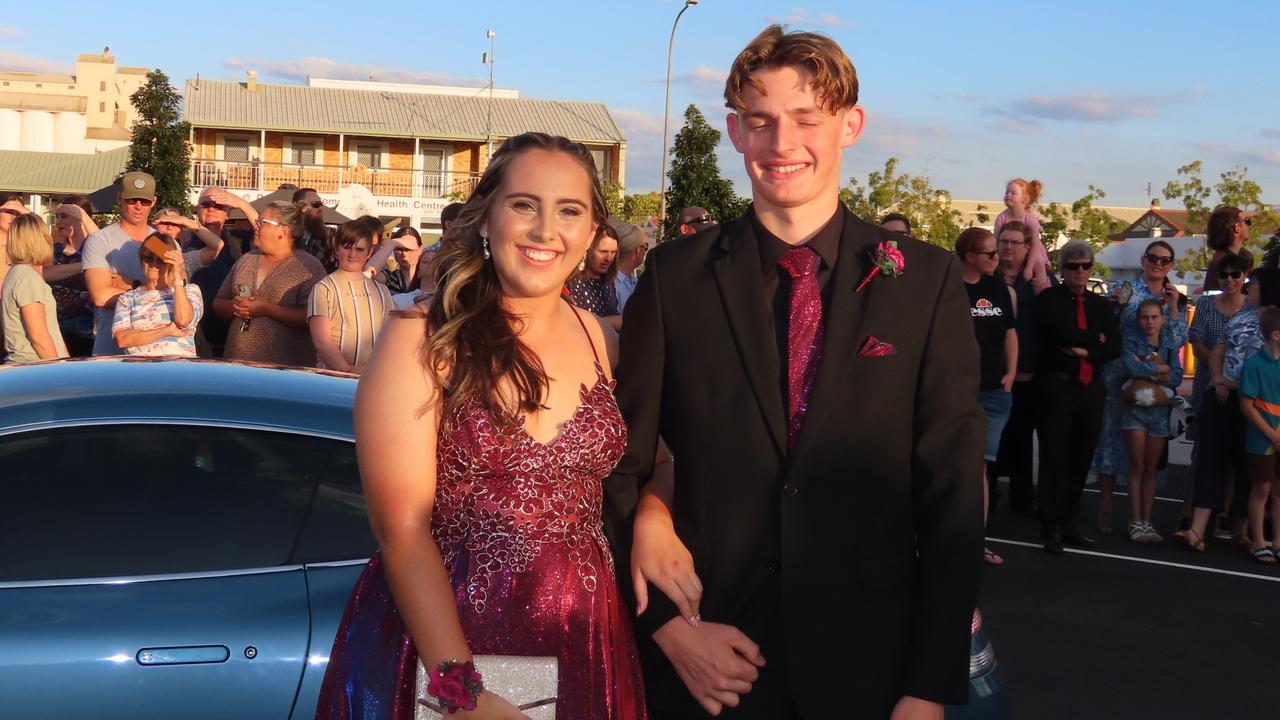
(790, 490)
(774, 564)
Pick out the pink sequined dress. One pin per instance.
(519, 525)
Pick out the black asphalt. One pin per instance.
(1091, 637)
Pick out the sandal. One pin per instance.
(1137, 531)
(991, 558)
(1185, 537)
(1264, 556)
(1152, 535)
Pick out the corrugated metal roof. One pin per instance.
(42, 172)
(388, 114)
(35, 101)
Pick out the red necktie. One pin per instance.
(1086, 367)
(804, 335)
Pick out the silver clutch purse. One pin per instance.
(529, 683)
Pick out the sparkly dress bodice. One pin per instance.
(519, 527)
(503, 499)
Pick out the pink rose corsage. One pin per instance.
(457, 685)
(886, 260)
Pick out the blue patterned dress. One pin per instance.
(1112, 455)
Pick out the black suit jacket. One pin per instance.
(864, 546)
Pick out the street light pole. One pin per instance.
(488, 60)
(666, 114)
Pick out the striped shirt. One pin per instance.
(356, 308)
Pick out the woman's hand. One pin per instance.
(1006, 382)
(174, 218)
(177, 265)
(658, 556)
(1221, 389)
(248, 307)
(491, 707)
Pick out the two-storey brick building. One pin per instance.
(414, 148)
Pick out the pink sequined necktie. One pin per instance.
(804, 335)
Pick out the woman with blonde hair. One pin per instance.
(28, 311)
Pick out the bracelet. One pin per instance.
(456, 684)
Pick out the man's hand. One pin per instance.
(1006, 382)
(913, 708)
(1221, 390)
(716, 662)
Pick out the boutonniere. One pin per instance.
(886, 260)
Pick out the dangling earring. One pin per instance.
(484, 239)
(582, 266)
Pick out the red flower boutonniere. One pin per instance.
(886, 260)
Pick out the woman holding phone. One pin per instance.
(266, 293)
(159, 317)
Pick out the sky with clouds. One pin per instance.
(1114, 94)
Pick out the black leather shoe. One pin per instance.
(1072, 537)
(1053, 541)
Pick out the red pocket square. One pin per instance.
(875, 347)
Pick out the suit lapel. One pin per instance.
(843, 326)
(739, 277)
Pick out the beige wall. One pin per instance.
(104, 87)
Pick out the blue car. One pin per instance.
(178, 539)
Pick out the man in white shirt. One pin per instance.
(633, 245)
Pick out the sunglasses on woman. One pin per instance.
(1229, 274)
(1158, 259)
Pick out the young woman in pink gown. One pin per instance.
(484, 430)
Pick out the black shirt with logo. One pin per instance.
(992, 311)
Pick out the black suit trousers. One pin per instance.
(1070, 420)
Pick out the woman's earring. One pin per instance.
(484, 239)
(582, 266)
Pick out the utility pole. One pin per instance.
(488, 60)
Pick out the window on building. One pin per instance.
(369, 156)
(304, 153)
(102, 107)
(235, 149)
(601, 158)
(433, 182)
(102, 86)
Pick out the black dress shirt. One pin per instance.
(1057, 328)
(777, 281)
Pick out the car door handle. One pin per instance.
(194, 655)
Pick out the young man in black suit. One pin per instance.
(817, 386)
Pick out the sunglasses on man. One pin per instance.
(991, 255)
(701, 219)
(139, 201)
(211, 205)
(1078, 266)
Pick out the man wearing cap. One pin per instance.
(694, 220)
(633, 245)
(110, 256)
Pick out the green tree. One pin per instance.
(695, 174)
(1233, 188)
(1079, 221)
(160, 140)
(933, 219)
(638, 209)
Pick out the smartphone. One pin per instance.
(244, 291)
(157, 246)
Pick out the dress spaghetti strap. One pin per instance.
(594, 353)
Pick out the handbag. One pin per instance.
(1148, 392)
(529, 683)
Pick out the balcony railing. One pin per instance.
(234, 175)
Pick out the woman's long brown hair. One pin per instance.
(473, 348)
